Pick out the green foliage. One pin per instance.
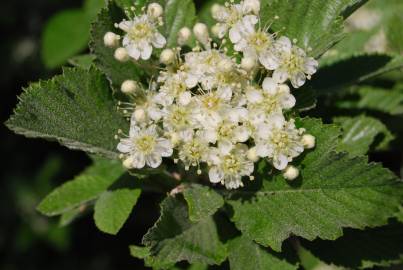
(113, 208)
(175, 238)
(202, 201)
(84, 61)
(82, 189)
(365, 249)
(67, 33)
(245, 254)
(310, 262)
(75, 108)
(359, 134)
(334, 191)
(317, 24)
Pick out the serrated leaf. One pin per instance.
(116, 71)
(84, 61)
(65, 34)
(83, 188)
(389, 101)
(202, 201)
(178, 14)
(317, 24)
(353, 70)
(366, 249)
(175, 238)
(359, 134)
(334, 191)
(245, 254)
(76, 109)
(113, 208)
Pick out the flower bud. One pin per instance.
(252, 155)
(121, 55)
(201, 33)
(308, 141)
(128, 163)
(252, 6)
(129, 86)
(184, 35)
(111, 40)
(217, 11)
(139, 115)
(290, 173)
(167, 56)
(216, 30)
(154, 10)
(248, 63)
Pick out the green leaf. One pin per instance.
(389, 101)
(84, 61)
(317, 24)
(83, 188)
(175, 238)
(92, 7)
(366, 249)
(68, 217)
(353, 70)
(65, 34)
(245, 254)
(113, 208)
(178, 14)
(202, 201)
(310, 262)
(75, 109)
(359, 134)
(139, 252)
(116, 71)
(334, 191)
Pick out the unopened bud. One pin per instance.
(308, 141)
(252, 155)
(128, 163)
(111, 40)
(290, 173)
(155, 10)
(121, 55)
(248, 63)
(252, 6)
(129, 86)
(139, 115)
(167, 56)
(184, 35)
(201, 33)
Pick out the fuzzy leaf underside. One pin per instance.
(175, 238)
(202, 202)
(317, 24)
(246, 254)
(113, 208)
(334, 191)
(76, 109)
(359, 134)
(85, 187)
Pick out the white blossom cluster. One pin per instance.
(210, 109)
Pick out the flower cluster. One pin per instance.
(216, 111)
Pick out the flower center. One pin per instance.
(293, 62)
(225, 130)
(140, 30)
(211, 102)
(146, 144)
(231, 164)
(193, 151)
(179, 117)
(260, 41)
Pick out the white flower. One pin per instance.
(229, 165)
(177, 118)
(173, 87)
(141, 35)
(144, 146)
(193, 150)
(294, 64)
(272, 99)
(280, 141)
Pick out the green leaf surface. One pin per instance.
(68, 217)
(359, 134)
(317, 24)
(333, 191)
(113, 208)
(362, 249)
(84, 61)
(116, 71)
(75, 109)
(178, 14)
(92, 7)
(175, 238)
(310, 262)
(65, 34)
(245, 254)
(83, 188)
(202, 201)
